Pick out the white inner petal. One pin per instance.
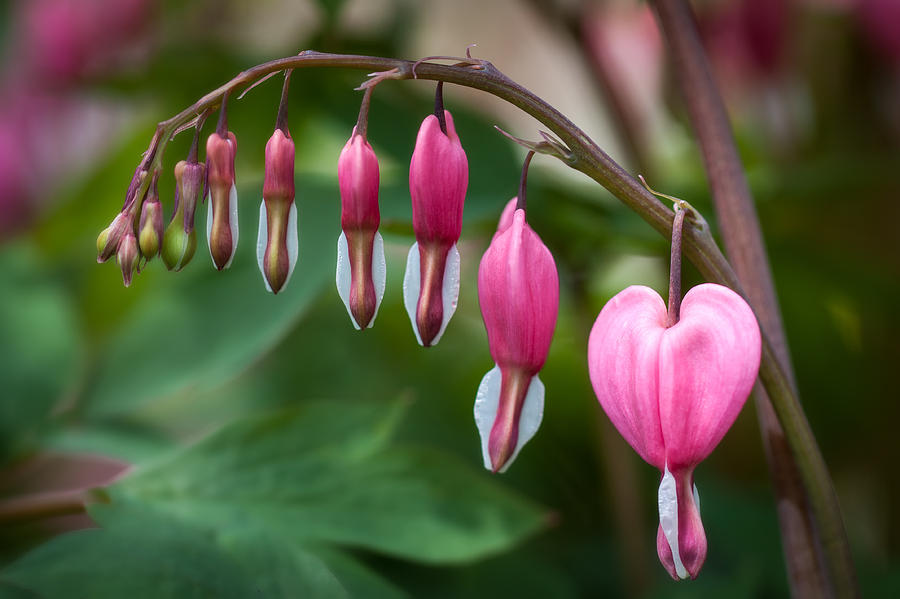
(342, 275)
(233, 222)
(487, 402)
(293, 242)
(379, 273)
(261, 240)
(668, 518)
(411, 287)
(449, 290)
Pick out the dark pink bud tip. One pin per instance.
(505, 432)
(430, 309)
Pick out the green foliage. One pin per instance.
(248, 507)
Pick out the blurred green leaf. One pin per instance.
(39, 336)
(323, 473)
(147, 554)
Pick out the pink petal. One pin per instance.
(623, 361)
(438, 178)
(708, 363)
(518, 290)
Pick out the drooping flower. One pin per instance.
(673, 392)
(361, 270)
(518, 291)
(222, 213)
(438, 178)
(277, 243)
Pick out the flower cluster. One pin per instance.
(671, 379)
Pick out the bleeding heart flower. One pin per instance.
(673, 392)
(438, 178)
(518, 290)
(180, 239)
(361, 271)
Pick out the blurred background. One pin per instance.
(97, 380)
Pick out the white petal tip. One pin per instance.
(449, 292)
(487, 402)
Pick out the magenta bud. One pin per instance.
(189, 180)
(277, 243)
(222, 217)
(361, 272)
(518, 291)
(673, 392)
(438, 178)
(127, 255)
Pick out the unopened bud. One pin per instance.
(361, 273)
(438, 178)
(180, 240)
(222, 216)
(151, 227)
(108, 240)
(128, 256)
(277, 243)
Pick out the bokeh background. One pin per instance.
(232, 443)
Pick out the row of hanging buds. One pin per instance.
(672, 379)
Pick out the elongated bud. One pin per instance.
(361, 271)
(128, 255)
(438, 178)
(277, 242)
(518, 291)
(151, 227)
(180, 239)
(222, 216)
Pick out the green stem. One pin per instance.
(587, 157)
(744, 243)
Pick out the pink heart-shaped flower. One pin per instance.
(674, 392)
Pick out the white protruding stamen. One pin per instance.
(487, 402)
(697, 499)
(343, 275)
(412, 288)
(668, 518)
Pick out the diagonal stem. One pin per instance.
(809, 519)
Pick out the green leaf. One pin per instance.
(147, 554)
(323, 474)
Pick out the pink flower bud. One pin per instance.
(222, 214)
(276, 246)
(438, 177)
(127, 255)
(361, 272)
(674, 392)
(518, 290)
